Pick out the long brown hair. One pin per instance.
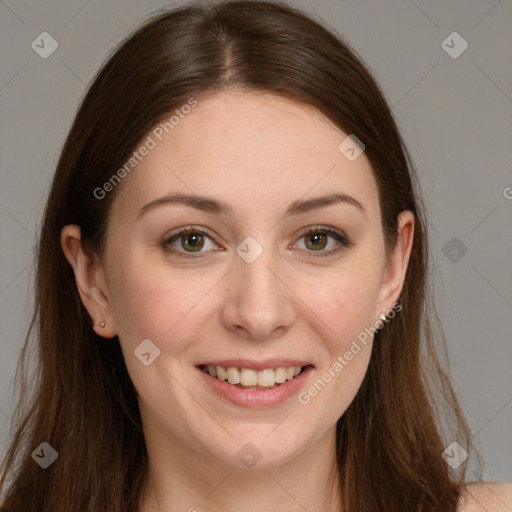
(79, 399)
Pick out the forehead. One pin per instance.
(249, 150)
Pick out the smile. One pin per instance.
(248, 387)
(247, 378)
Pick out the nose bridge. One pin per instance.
(259, 301)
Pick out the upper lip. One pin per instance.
(256, 365)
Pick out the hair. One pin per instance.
(79, 398)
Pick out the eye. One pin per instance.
(192, 240)
(189, 242)
(316, 240)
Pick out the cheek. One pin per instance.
(162, 308)
(347, 350)
(346, 300)
(346, 303)
(151, 303)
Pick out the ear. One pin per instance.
(89, 279)
(396, 264)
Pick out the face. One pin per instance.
(257, 277)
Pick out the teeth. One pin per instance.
(266, 378)
(247, 377)
(221, 373)
(280, 375)
(233, 375)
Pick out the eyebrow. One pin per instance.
(210, 205)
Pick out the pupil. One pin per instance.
(316, 238)
(196, 240)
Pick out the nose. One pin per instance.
(259, 302)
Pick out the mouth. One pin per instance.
(254, 379)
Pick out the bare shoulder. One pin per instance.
(487, 496)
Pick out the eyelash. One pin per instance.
(340, 237)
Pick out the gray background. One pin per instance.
(455, 116)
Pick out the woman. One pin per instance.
(232, 303)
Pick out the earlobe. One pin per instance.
(397, 263)
(86, 269)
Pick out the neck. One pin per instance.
(181, 479)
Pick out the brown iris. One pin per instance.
(193, 240)
(317, 238)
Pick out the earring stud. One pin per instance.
(383, 317)
(101, 324)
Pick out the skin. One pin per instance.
(486, 497)
(258, 153)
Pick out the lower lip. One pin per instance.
(253, 397)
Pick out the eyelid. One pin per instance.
(339, 235)
(327, 229)
(176, 235)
